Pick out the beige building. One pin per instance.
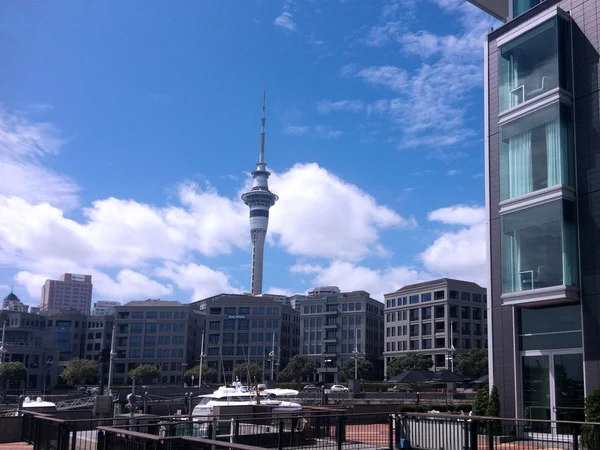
(70, 292)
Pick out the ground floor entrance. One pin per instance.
(553, 388)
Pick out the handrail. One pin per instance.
(136, 434)
(226, 444)
(508, 419)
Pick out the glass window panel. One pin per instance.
(536, 391)
(539, 247)
(549, 319)
(520, 6)
(550, 341)
(529, 65)
(536, 152)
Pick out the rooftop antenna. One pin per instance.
(262, 129)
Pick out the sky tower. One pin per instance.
(259, 200)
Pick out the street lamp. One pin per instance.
(49, 363)
(183, 366)
(355, 351)
(326, 361)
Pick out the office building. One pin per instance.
(338, 326)
(28, 340)
(12, 303)
(541, 147)
(439, 318)
(259, 199)
(264, 330)
(67, 333)
(97, 335)
(161, 332)
(104, 308)
(70, 292)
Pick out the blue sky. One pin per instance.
(128, 131)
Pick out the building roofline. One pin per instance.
(439, 281)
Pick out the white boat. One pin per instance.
(279, 392)
(235, 396)
(37, 405)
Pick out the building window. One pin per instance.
(476, 313)
(440, 342)
(151, 314)
(228, 338)
(440, 327)
(244, 310)
(426, 329)
(440, 312)
(465, 312)
(414, 299)
(136, 327)
(534, 63)
(539, 247)
(229, 324)
(439, 295)
(426, 313)
(549, 327)
(426, 344)
(215, 310)
(414, 345)
(414, 330)
(426, 297)
(440, 360)
(520, 6)
(150, 328)
(477, 298)
(137, 315)
(536, 152)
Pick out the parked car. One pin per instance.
(338, 388)
(311, 388)
(400, 388)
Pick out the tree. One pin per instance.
(145, 373)
(242, 370)
(493, 410)
(78, 370)
(472, 364)
(13, 371)
(590, 434)
(480, 405)
(298, 367)
(409, 361)
(348, 370)
(208, 373)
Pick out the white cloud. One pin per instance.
(458, 215)
(280, 291)
(32, 283)
(320, 215)
(459, 253)
(317, 131)
(452, 172)
(305, 268)
(286, 20)
(199, 279)
(326, 106)
(23, 145)
(349, 277)
(387, 76)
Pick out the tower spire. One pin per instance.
(263, 119)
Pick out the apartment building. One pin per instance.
(541, 113)
(337, 326)
(261, 329)
(12, 303)
(439, 318)
(160, 332)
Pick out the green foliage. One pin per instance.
(242, 370)
(298, 368)
(209, 374)
(590, 434)
(472, 364)
(13, 371)
(493, 410)
(78, 370)
(347, 372)
(145, 373)
(480, 405)
(409, 361)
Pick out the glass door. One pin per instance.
(536, 391)
(553, 389)
(569, 397)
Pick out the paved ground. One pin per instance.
(16, 446)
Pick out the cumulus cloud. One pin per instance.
(348, 277)
(317, 131)
(320, 215)
(286, 19)
(326, 106)
(201, 280)
(460, 252)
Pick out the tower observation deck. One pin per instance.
(259, 199)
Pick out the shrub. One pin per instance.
(590, 434)
(493, 410)
(480, 405)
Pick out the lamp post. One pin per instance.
(49, 363)
(2, 349)
(111, 360)
(183, 366)
(355, 351)
(201, 357)
(326, 361)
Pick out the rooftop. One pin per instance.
(426, 284)
(153, 302)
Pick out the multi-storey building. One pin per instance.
(97, 335)
(28, 340)
(161, 332)
(104, 308)
(337, 326)
(261, 329)
(12, 303)
(542, 184)
(66, 332)
(438, 318)
(70, 292)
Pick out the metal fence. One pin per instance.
(318, 429)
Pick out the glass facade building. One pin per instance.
(541, 80)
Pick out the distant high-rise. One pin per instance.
(70, 292)
(259, 200)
